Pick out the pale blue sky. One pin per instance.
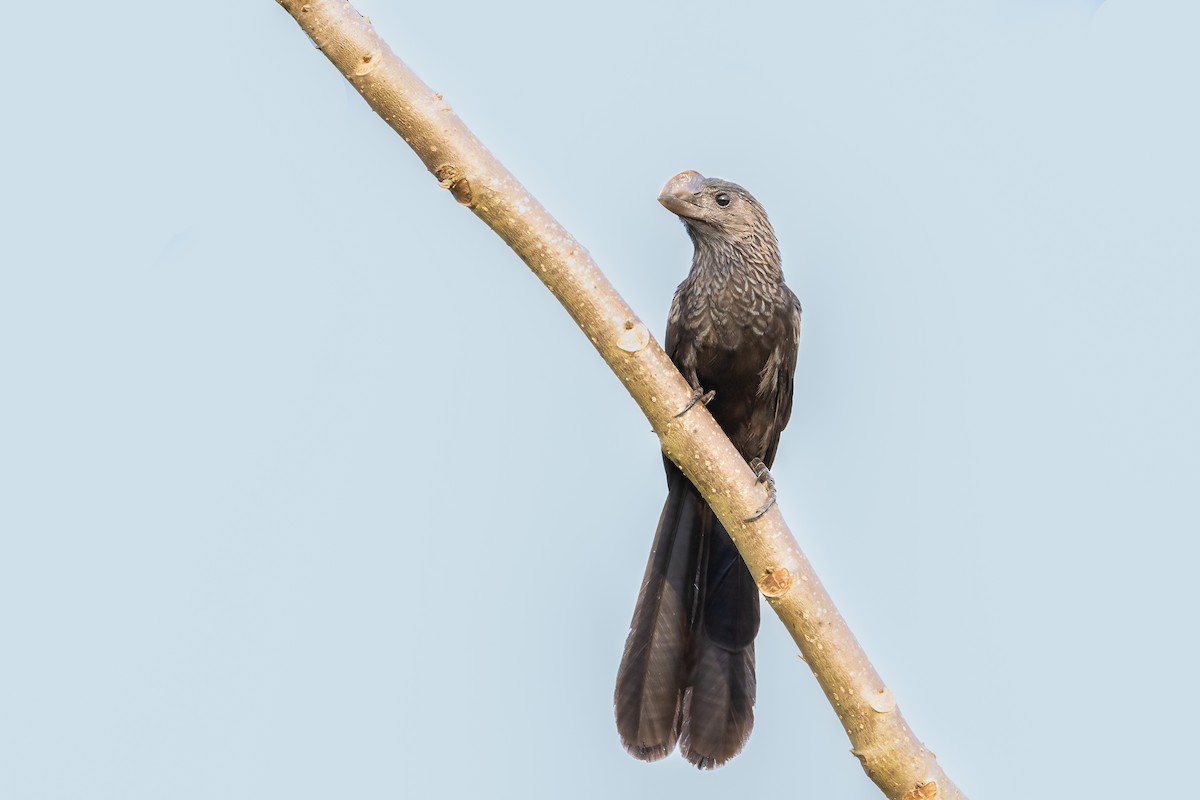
(278, 519)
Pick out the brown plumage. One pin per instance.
(687, 674)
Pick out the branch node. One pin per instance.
(884, 701)
(635, 337)
(369, 62)
(922, 791)
(775, 582)
(451, 177)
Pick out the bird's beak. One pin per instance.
(681, 193)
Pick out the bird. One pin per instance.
(687, 672)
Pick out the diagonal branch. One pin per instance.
(890, 752)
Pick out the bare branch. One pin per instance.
(890, 752)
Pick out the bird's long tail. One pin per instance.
(687, 674)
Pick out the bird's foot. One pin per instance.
(698, 396)
(764, 476)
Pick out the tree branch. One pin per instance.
(890, 752)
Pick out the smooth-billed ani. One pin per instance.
(687, 674)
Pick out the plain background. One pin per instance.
(309, 488)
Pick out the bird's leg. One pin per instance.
(764, 476)
(698, 396)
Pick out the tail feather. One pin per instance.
(654, 667)
(719, 709)
(687, 673)
(718, 712)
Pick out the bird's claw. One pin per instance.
(764, 476)
(698, 396)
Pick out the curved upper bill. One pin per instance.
(681, 194)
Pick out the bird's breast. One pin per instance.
(725, 310)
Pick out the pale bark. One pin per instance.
(890, 752)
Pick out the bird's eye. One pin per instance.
(722, 199)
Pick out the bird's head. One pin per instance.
(711, 207)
